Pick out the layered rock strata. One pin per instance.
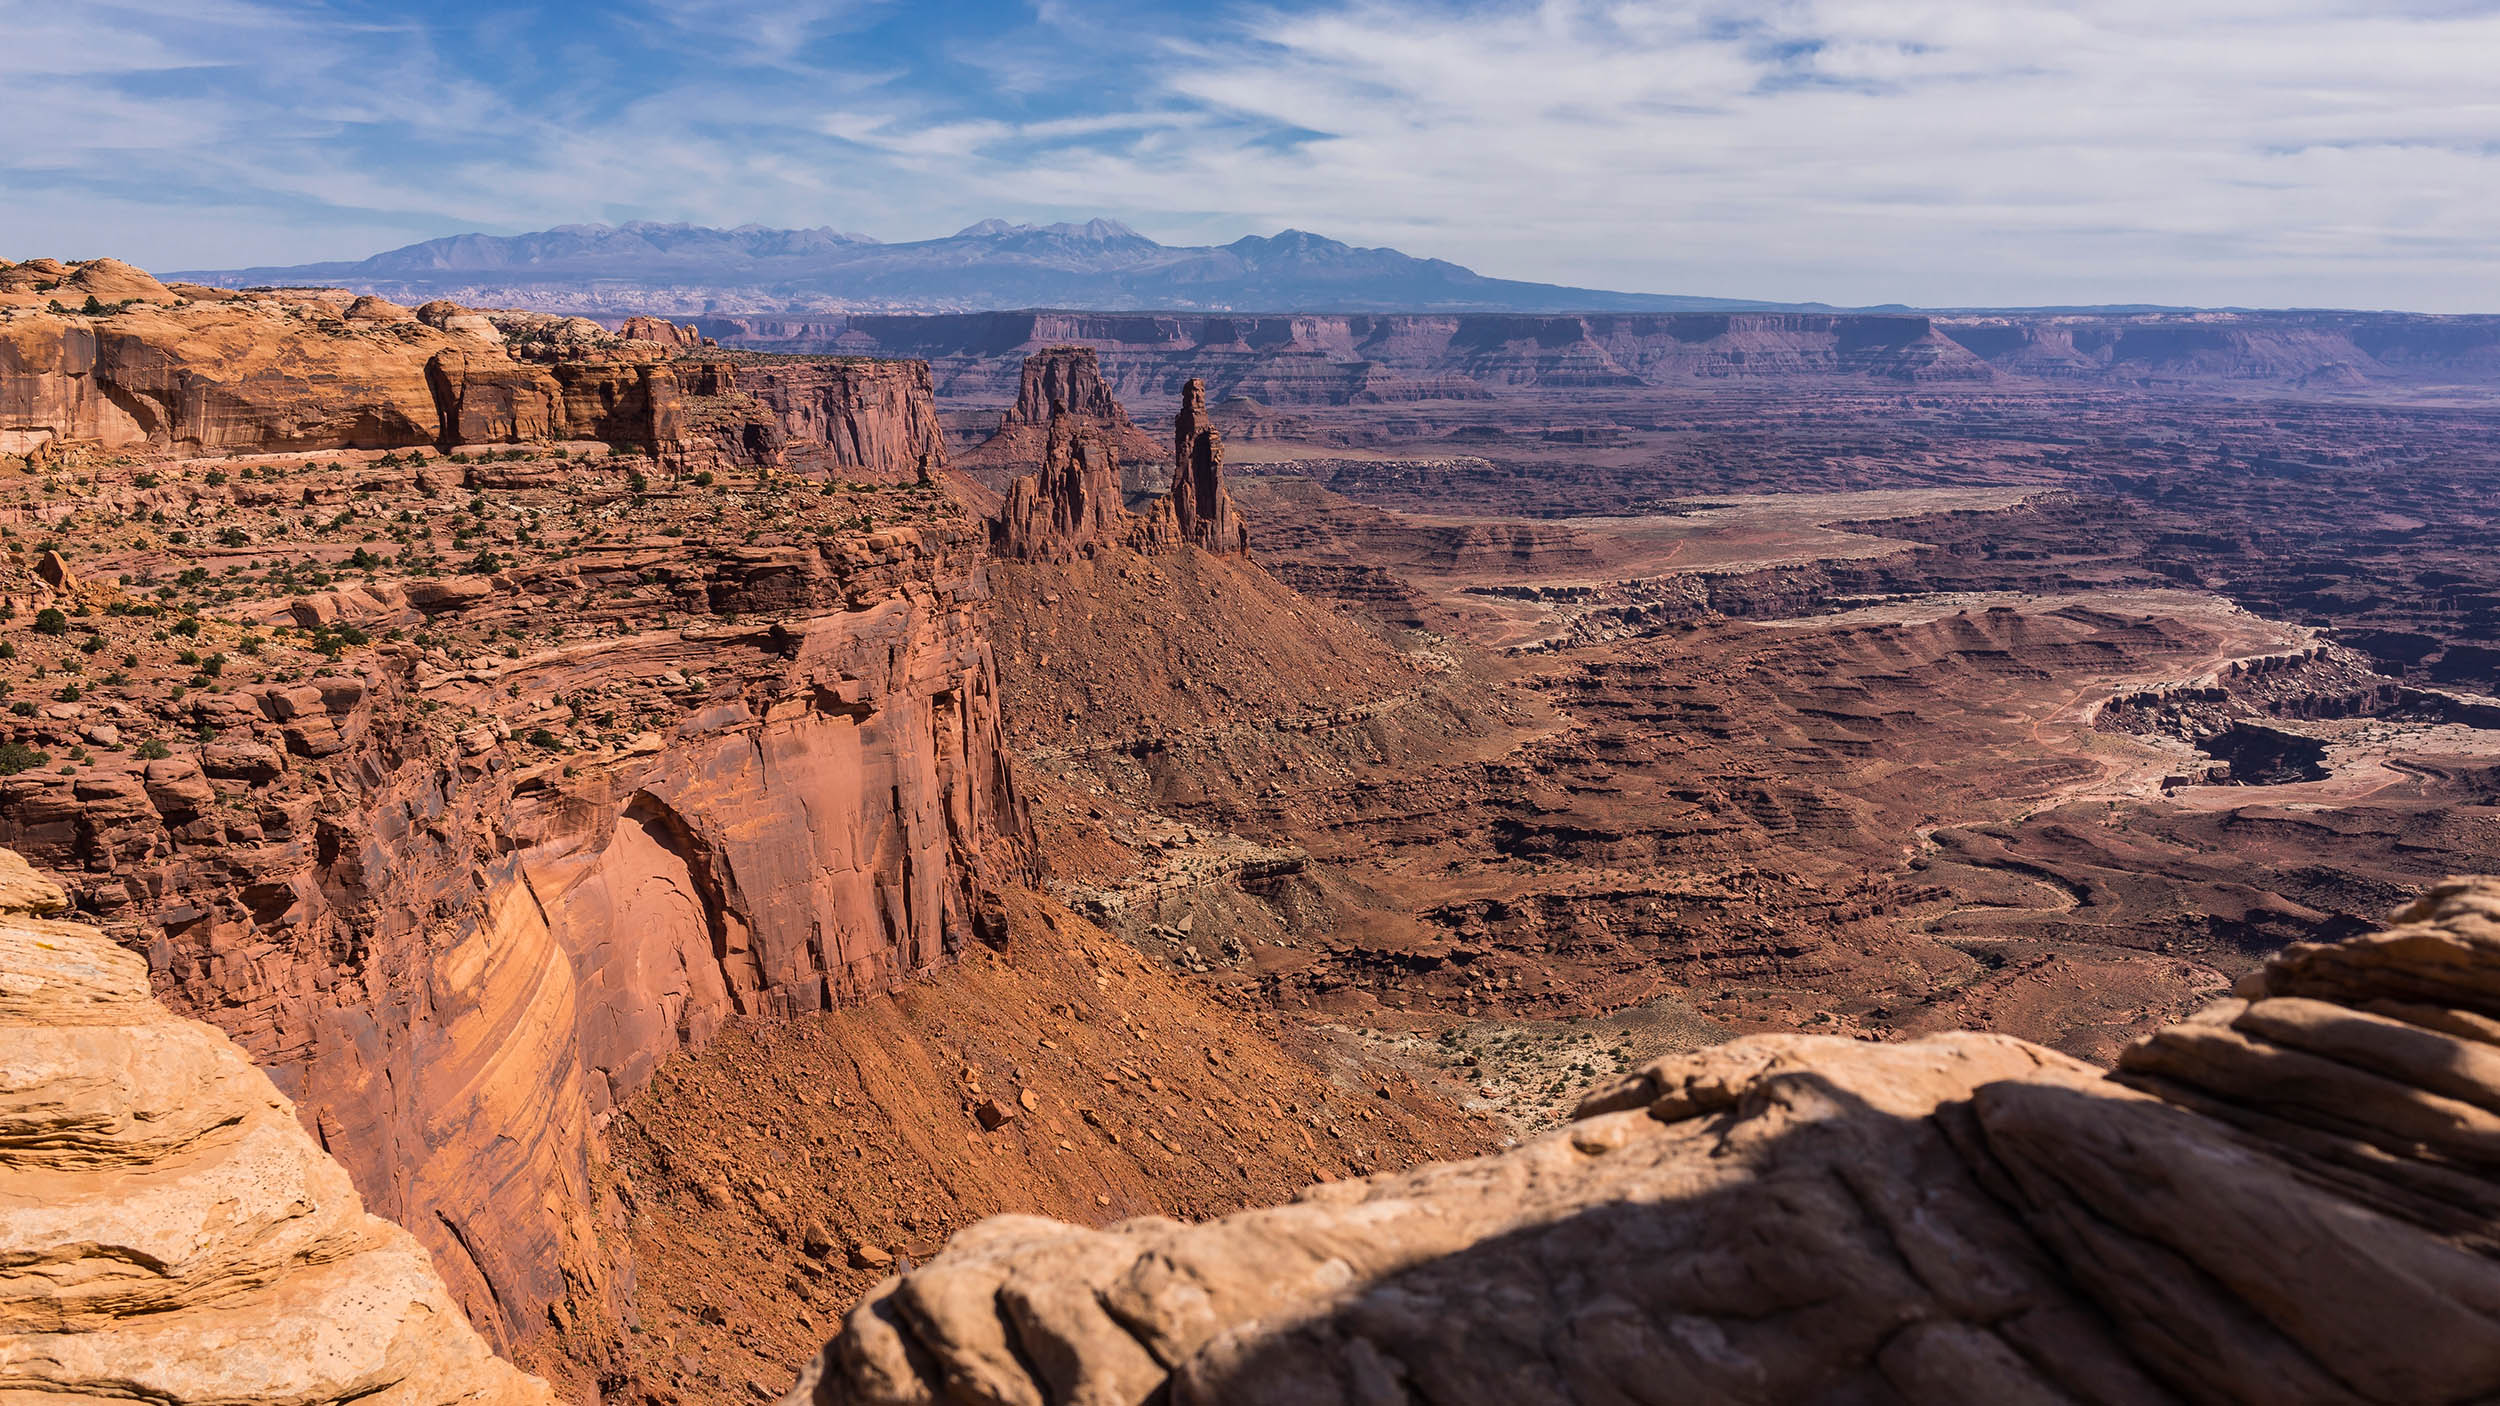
(198, 371)
(458, 923)
(874, 421)
(1067, 380)
(1375, 358)
(2290, 1197)
(168, 1231)
(1071, 505)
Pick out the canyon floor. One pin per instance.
(1642, 720)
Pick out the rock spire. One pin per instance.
(1203, 511)
(1072, 505)
(1066, 380)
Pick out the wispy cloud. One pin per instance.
(1934, 151)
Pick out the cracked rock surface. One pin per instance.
(2288, 1198)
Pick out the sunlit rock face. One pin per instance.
(168, 1230)
(2286, 1198)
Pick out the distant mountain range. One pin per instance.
(613, 270)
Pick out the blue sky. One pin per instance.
(2310, 152)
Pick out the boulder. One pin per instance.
(255, 762)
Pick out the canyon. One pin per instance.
(691, 826)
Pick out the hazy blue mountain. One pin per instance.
(1101, 264)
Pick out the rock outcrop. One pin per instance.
(2290, 1197)
(458, 920)
(1071, 505)
(662, 332)
(147, 368)
(1059, 381)
(168, 1231)
(1201, 510)
(874, 421)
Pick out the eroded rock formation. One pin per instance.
(663, 332)
(1066, 380)
(458, 920)
(168, 1231)
(874, 421)
(2289, 1197)
(1071, 505)
(186, 370)
(1202, 511)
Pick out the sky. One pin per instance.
(2337, 153)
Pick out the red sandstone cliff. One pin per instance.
(316, 370)
(869, 420)
(458, 907)
(168, 1232)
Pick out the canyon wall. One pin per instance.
(457, 928)
(313, 370)
(168, 1232)
(1320, 359)
(870, 420)
(1340, 359)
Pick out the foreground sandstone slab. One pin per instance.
(2289, 1198)
(168, 1231)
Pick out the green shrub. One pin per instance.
(17, 756)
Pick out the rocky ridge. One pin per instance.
(2289, 1197)
(168, 1230)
